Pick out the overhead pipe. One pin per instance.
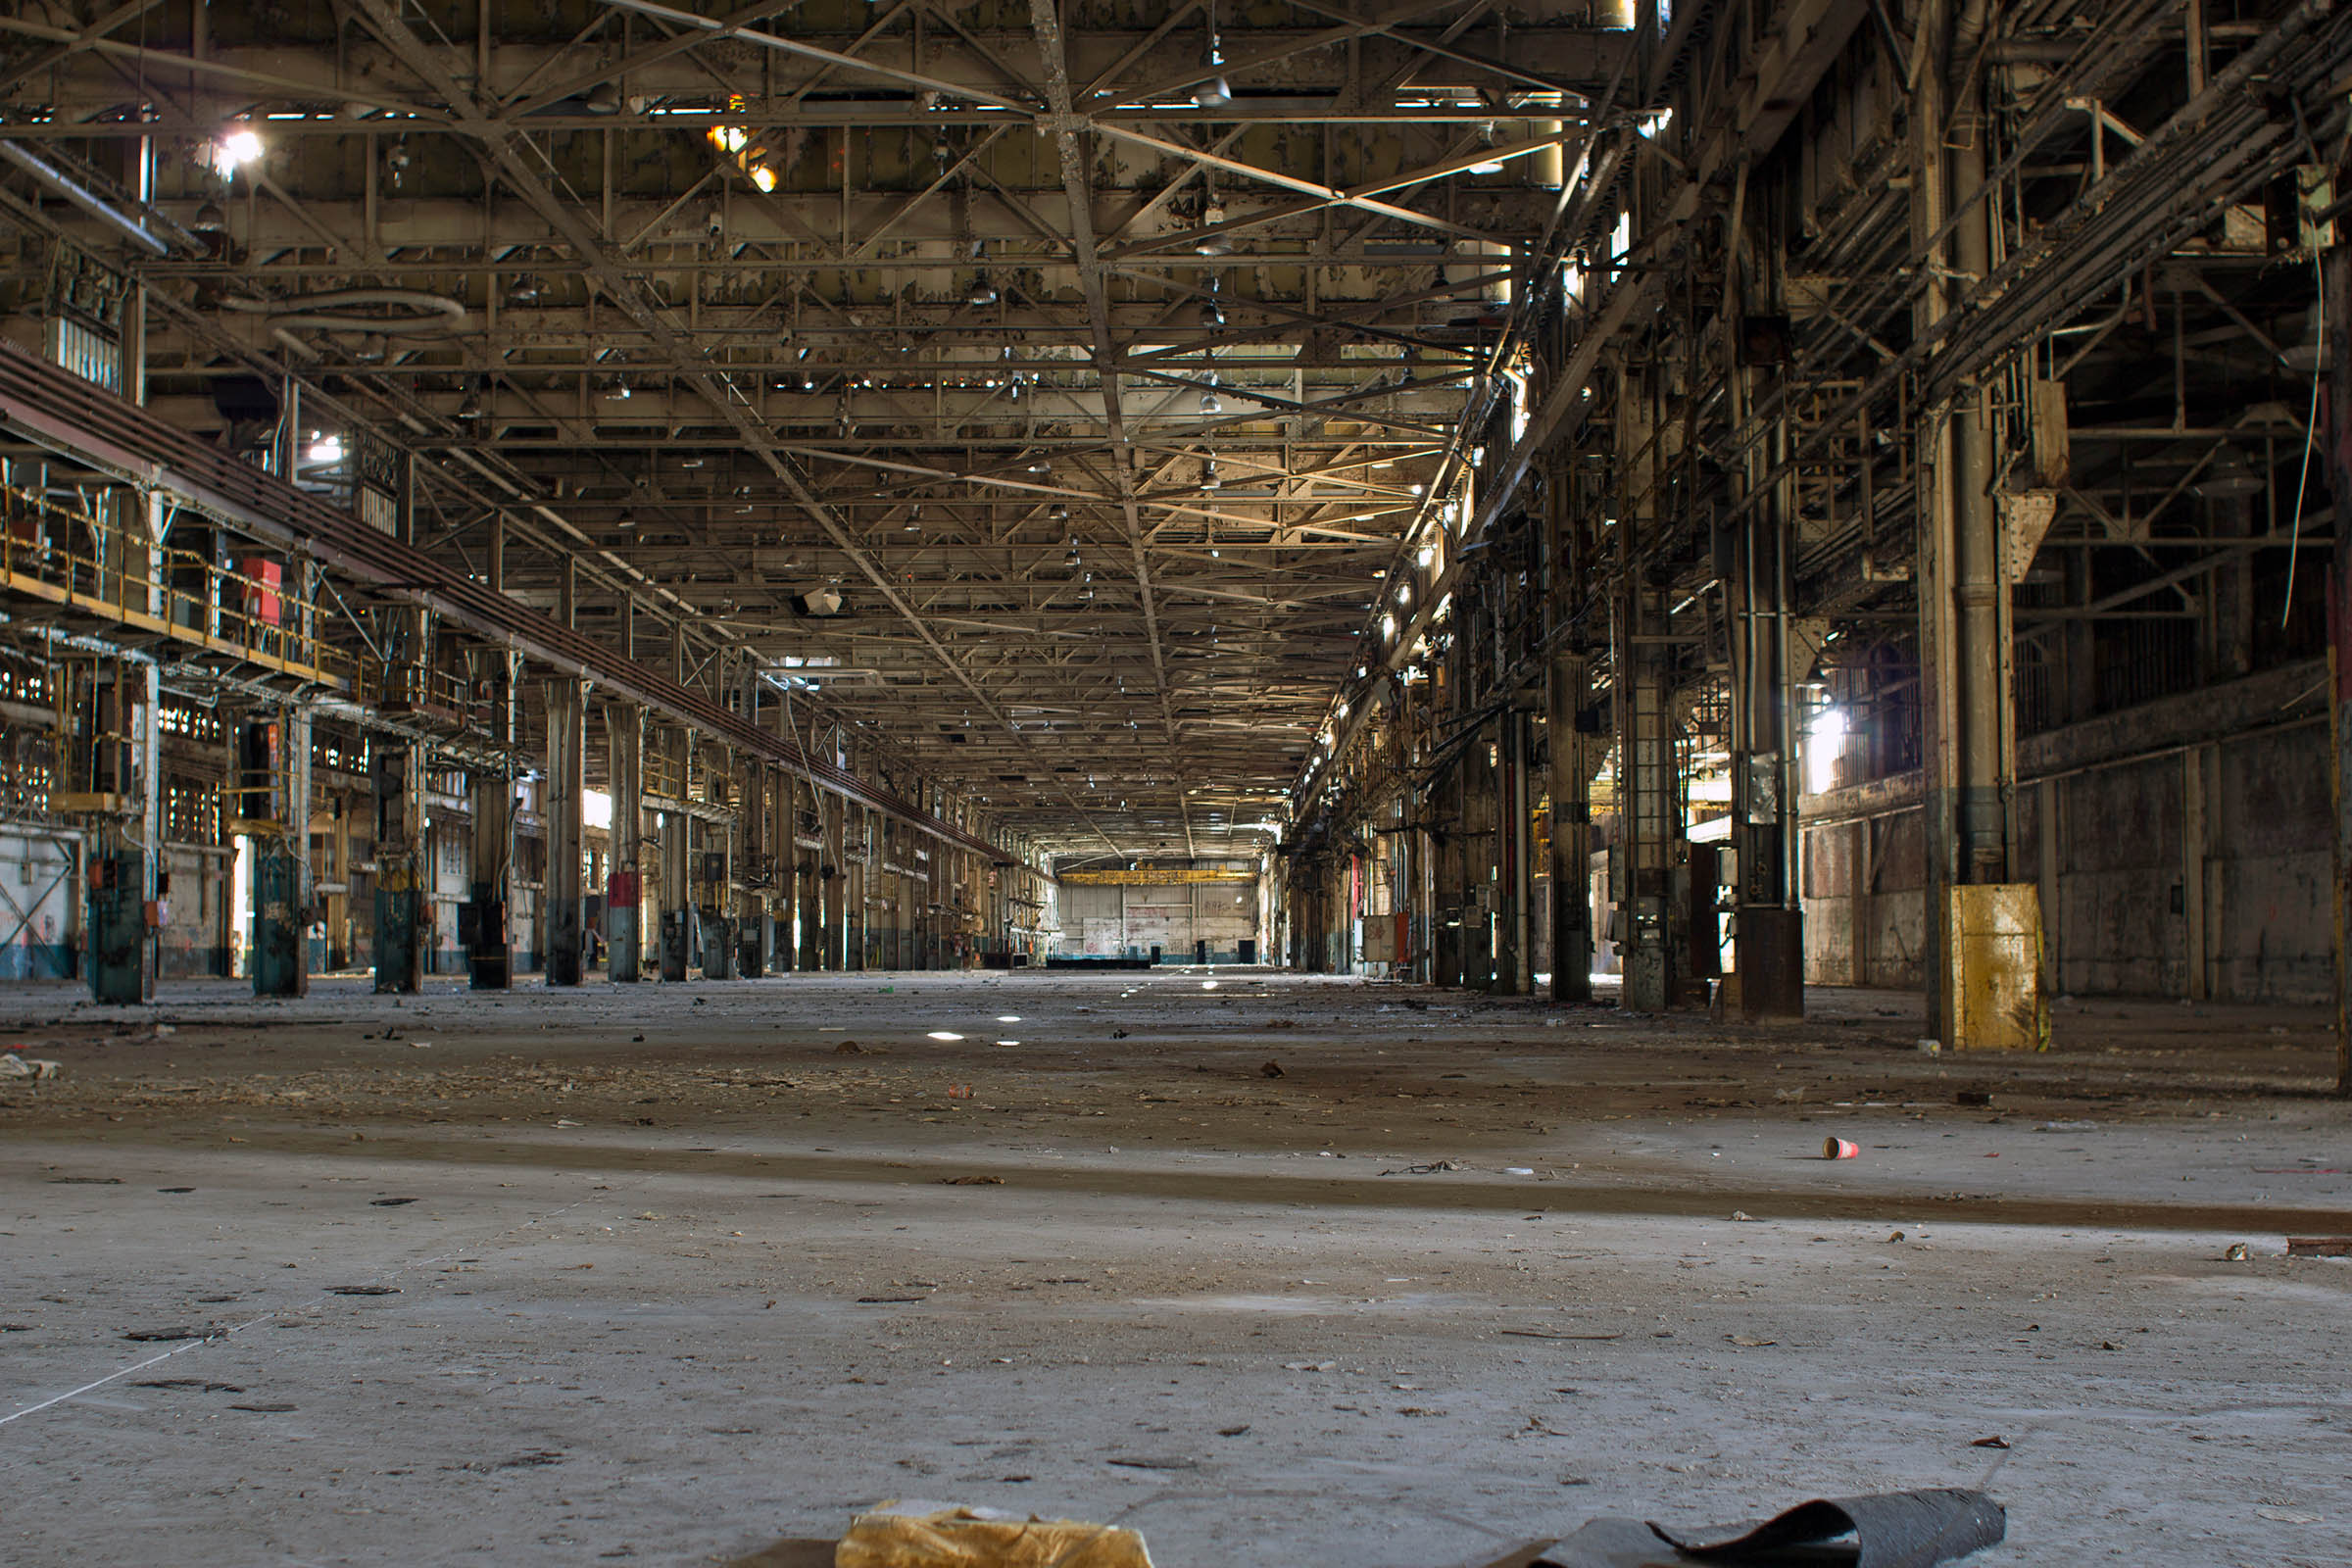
(317, 312)
(82, 196)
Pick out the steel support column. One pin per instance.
(1647, 859)
(677, 886)
(1984, 948)
(1768, 925)
(1514, 840)
(402, 872)
(624, 887)
(1571, 782)
(751, 862)
(281, 854)
(2336, 357)
(833, 873)
(562, 807)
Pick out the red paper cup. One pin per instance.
(1840, 1149)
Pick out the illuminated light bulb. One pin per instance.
(765, 177)
(239, 148)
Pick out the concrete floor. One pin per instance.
(667, 1273)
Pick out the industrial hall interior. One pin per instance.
(1219, 783)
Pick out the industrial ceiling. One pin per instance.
(1039, 394)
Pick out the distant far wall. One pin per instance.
(2182, 849)
(1129, 922)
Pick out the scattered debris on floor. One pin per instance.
(930, 1535)
(1889, 1530)
(1272, 1069)
(1840, 1148)
(2318, 1247)
(13, 1065)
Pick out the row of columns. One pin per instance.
(738, 888)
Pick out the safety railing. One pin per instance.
(74, 558)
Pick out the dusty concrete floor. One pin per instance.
(665, 1273)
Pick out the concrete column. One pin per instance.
(624, 890)
(1571, 695)
(403, 874)
(567, 830)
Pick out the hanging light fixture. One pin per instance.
(2227, 476)
(2307, 352)
(983, 291)
(1214, 242)
(1486, 138)
(1216, 92)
